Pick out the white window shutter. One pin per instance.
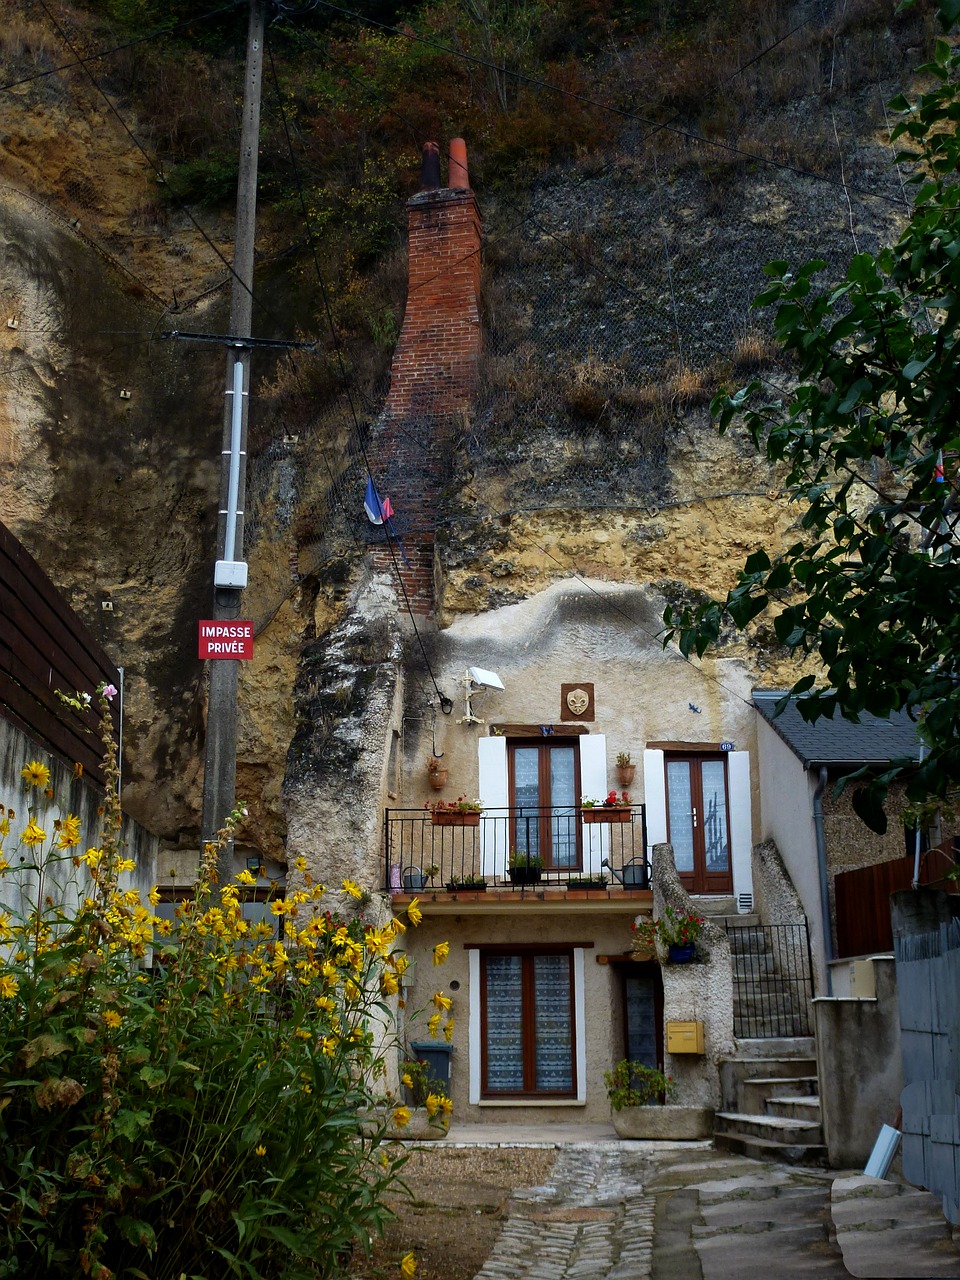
(741, 824)
(593, 784)
(655, 797)
(495, 824)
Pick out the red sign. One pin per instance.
(226, 639)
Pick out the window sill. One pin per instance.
(532, 1102)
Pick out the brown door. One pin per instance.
(697, 821)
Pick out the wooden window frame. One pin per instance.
(713, 883)
(527, 955)
(544, 746)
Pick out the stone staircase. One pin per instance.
(764, 1004)
(770, 1106)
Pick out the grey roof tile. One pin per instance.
(837, 741)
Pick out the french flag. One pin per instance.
(378, 509)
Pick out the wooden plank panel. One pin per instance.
(54, 628)
(49, 706)
(50, 730)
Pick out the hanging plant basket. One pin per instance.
(603, 813)
(452, 818)
(437, 778)
(626, 774)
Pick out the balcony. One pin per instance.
(522, 851)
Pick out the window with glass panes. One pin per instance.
(527, 1021)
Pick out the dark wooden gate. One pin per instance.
(863, 899)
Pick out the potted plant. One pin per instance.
(676, 932)
(524, 867)
(455, 813)
(415, 879)
(475, 884)
(626, 769)
(639, 1098)
(437, 773)
(425, 1112)
(587, 882)
(613, 808)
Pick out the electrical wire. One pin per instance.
(622, 112)
(119, 48)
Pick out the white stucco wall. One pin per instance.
(601, 1042)
(599, 633)
(786, 817)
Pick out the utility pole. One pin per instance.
(230, 575)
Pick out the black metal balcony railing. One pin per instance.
(553, 848)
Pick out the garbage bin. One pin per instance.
(436, 1054)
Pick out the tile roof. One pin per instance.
(837, 741)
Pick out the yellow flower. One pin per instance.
(414, 914)
(302, 1033)
(260, 1150)
(33, 835)
(126, 864)
(432, 1104)
(388, 983)
(405, 1080)
(448, 1031)
(8, 987)
(35, 774)
(4, 864)
(112, 1018)
(408, 1266)
(433, 1025)
(441, 1001)
(69, 834)
(154, 896)
(93, 857)
(6, 933)
(401, 1116)
(245, 877)
(353, 889)
(440, 952)
(446, 1105)
(300, 863)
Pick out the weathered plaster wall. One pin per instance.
(859, 1066)
(700, 992)
(786, 791)
(602, 933)
(595, 632)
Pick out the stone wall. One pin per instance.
(701, 992)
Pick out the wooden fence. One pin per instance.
(44, 646)
(863, 899)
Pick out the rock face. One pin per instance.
(615, 298)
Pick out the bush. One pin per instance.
(196, 1114)
(632, 1084)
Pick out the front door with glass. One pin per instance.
(544, 780)
(697, 824)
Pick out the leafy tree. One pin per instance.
(870, 439)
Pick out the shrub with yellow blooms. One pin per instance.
(181, 1097)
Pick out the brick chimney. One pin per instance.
(433, 377)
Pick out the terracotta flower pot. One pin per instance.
(604, 813)
(626, 774)
(438, 777)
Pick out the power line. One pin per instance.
(119, 48)
(622, 112)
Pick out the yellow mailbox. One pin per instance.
(685, 1037)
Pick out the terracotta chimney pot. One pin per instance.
(459, 178)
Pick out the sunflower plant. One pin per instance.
(180, 1097)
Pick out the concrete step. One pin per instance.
(779, 1049)
(771, 1024)
(797, 1107)
(756, 1147)
(772, 1128)
(749, 964)
(755, 1091)
(750, 940)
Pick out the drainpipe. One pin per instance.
(822, 868)
(915, 882)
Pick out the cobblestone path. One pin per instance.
(591, 1221)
